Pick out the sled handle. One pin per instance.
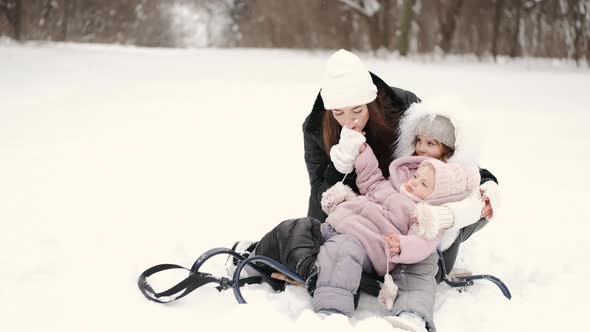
(494, 280)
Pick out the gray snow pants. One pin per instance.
(417, 289)
(342, 259)
(341, 262)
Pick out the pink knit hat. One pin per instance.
(453, 181)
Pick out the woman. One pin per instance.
(349, 93)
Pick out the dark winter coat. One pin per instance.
(321, 170)
(294, 243)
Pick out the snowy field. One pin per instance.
(114, 159)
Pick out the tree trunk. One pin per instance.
(577, 15)
(498, 10)
(388, 33)
(539, 33)
(406, 27)
(375, 25)
(69, 8)
(514, 49)
(381, 31)
(449, 24)
(12, 11)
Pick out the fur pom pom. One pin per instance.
(388, 292)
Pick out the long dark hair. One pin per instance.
(380, 130)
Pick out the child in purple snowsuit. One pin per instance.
(357, 227)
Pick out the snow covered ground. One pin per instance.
(114, 159)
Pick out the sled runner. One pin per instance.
(277, 280)
(465, 280)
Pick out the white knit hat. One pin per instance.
(347, 82)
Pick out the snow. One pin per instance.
(114, 159)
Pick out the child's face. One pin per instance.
(422, 184)
(429, 147)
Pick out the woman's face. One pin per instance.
(428, 147)
(354, 117)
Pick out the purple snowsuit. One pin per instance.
(383, 210)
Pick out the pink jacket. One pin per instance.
(382, 210)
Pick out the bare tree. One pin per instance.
(576, 13)
(498, 11)
(587, 31)
(406, 27)
(43, 19)
(387, 24)
(11, 11)
(318, 24)
(69, 8)
(448, 14)
(514, 42)
(546, 28)
(376, 17)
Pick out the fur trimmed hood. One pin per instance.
(466, 140)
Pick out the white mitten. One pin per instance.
(335, 195)
(351, 141)
(388, 292)
(467, 211)
(433, 219)
(343, 162)
(492, 191)
(345, 152)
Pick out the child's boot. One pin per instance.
(407, 321)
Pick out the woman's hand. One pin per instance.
(490, 194)
(487, 211)
(348, 148)
(352, 125)
(393, 242)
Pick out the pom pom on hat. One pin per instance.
(346, 82)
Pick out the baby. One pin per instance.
(382, 220)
